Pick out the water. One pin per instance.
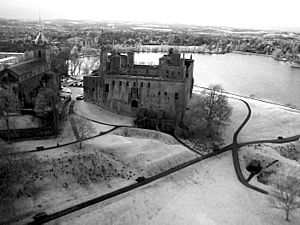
(258, 76)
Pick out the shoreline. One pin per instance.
(250, 53)
(232, 95)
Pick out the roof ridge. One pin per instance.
(21, 63)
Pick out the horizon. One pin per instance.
(231, 13)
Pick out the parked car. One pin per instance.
(80, 97)
(66, 90)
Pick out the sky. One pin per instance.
(233, 13)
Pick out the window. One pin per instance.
(106, 88)
(142, 84)
(120, 83)
(40, 54)
(133, 84)
(173, 73)
(159, 93)
(113, 83)
(148, 85)
(166, 93)
(127, 83)
(176, 95)
(167, 71)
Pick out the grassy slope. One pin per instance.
(207, 193)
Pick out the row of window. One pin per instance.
(134, 84)
(127, 84)
(166, 93)
(173, 72)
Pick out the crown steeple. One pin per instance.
(41, 39)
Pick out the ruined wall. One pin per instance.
(165, 87)
(145, 70)
(172, 72)
(93, 87)
(126, 94)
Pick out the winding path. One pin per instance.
(235, 155)
(236, 146)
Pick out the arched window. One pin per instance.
(40, 54)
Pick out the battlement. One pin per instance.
(171, 66)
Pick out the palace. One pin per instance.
(157, 95)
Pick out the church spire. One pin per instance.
(40, 39)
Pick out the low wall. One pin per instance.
(26, 133)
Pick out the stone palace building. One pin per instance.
(157, 95)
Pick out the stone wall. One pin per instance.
(126, 94)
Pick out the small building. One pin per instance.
(125, 88)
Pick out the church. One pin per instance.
(27, 77)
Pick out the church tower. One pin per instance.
(41, 47)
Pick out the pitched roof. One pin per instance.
(25, 67)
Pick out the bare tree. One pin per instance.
(91, 65)
(46, 105)
(286, 193)
(75, 61)
(277, 53)
(85, 129)
(60, 62)
(8, 105)
(208, 113)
